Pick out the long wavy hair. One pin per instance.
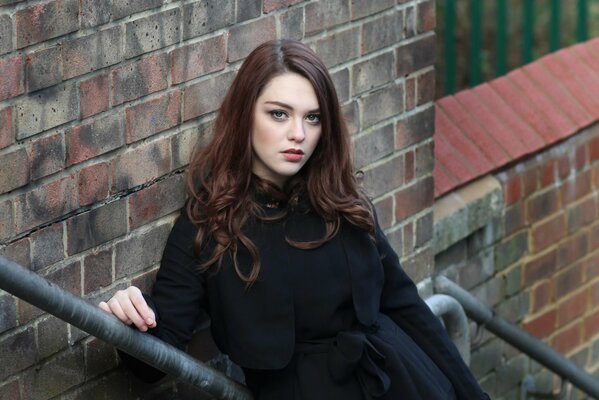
(221, 187)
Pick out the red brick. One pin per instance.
(425, 160)
(569, 280)
(47, 156)
(582, 214)
(594, 236)
(38, 22)
(198, 59)
(572, 249)
(572, 308)
(11, 390)
(244, 38)
(409, 168)
(19, 252)
(426, 87)
(547, 174)
(325, 14)
(93, 184)
(156, 201)
(543, 325)
(596, 176)
(576, 187)
(414, 198)
(408, 238)
(580, 157)
(567, 339)
(7, 130)
(151, 117)
(514, 218)
(541, 205)
(594, 149)
(592, 270)
(15, 170)
(591, 325)
(141, 165)
(271, 5)
(12, 71)
(92, 139)
(97, 270)
(205, 96)
(530, 181)
(548, 233)
(93, 94)
(411, 95)
(426, 16)
(512, 189)
(563, 166)
(134, 80)
(542, 296)
(68, 277)
(539, 268)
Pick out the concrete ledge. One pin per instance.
(465, 210)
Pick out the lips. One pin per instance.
(294, 151)
(293, 155)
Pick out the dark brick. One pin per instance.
(93, 95)
(18, 352)
(92, 139)
(382, 104)
(124, 8)
(198, 59)
(548, 233)
(55, 376)
(582, 214)
(97, 271)
(10, 390)
(15, 170)
(568, 280)
(485, 358)
(292, 23)
(568, 339)
(410, 89)
(382, 32)
(542, 205)
(385, 177)
(5, 34)
(156, 115)
(542, 295)
(141, 165)
(140, 251)
(244, 38)
(13, 77)
(385, 212)
(572, 308)
(341, 81)
(18, 252)
(99, 358)
(414, 198)
(140, 78)
(93, 52)
(44, 68)
(206, 16)
(576, 187)
(52, 336)
(424, 159)
(152, 33)
(426, 16)
(364, 8)
(419, 266)
(156, 201)
(97, 226)
(47, 156)
(351, 115)
(67, 277)
(38, 22)
(425, 89)
(47, 246)
(8, 312)
(46, 109)
(424, 229)
(409, 26)
(26, 312)
(572, 250)
(271, 5)
(372, 73)
(248, 10)
(511, 250)
(94, 13)
(184, 144)
(513, 281)
(7, 220)
(540, 267)
(373, 146)
(338, 47)
(514, 308)
(514, 218)
(93, 184)
(409, 166)
(326, 14)
(7, 127)
(205, 96)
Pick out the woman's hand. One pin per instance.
(130, 307)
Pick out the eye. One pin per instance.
(313, 118)
(278, 114)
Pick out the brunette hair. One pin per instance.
(222, 187)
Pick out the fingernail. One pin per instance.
(150, 321)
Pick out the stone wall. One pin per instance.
(101, 103)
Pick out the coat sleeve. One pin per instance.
(178, 295)
(401, 302)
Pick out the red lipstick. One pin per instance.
(293, 155)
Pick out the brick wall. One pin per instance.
(534, 260)
(101, 103)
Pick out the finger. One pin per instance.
(140, 304)
(133, 315)
(117, 310)
(104, 306)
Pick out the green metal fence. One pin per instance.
(481, 39)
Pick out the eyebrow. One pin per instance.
(287, 106)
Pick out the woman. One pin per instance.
(283, 250)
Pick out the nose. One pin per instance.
(296, 131)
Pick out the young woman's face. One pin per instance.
(286, 128)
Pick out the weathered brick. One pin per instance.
(145, 281)
(424, 229)
(141, 165)
(549, 232)
(425, 89)
(514, 218)
(385, 212)
(12, 71)
(52, 336)
(411, 95)
(124, 8)
(568, 280)
(408, 238)
(244, 38)
(410, 22)
(547, 174)
(540, 267)
(341, 81)
(415, 128)
(46, 156)
(382, 32)
(414, 198)
(543, 325)
(576, 187)
(419, 266)
(372, 73)
(409, 166)
(97, 226)
(92, 52)
(18, 252)
(572, 308)
(426, 16)
(198, 59)
(271, 5)
(373, 146)
(581, 214)
(351, 115)
(18, 352)
(47, 246)
(510, 251)
(10, 390)
(156, 201)
(206, 16)
(137, 79)
(44, 68)
(567, 339)
(15, 170)
(93, 95)
(156, 115)
(92, 139)
(424, 159)
(292, 23)
(46, 109)
(382, 104)
(152, 33)
(572, 249)
(39, 22)
(67, 276)
(364, 8)
(99, 357)
(26, 312)
(94, 12)
(385, 177)
(248, 10)
(486, 357)
(55, 376)
(7, 130)
(184, 144)
(205, 96)
(515, 307)
(93, 184)
(326, 14)
(8, 312)
(7, 221)
(5, 34)
(141, 250)
(542, 205)
(338, 47)
(97, 270)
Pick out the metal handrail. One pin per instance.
(518, 338)
(47, 296)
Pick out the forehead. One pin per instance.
(292, 89)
